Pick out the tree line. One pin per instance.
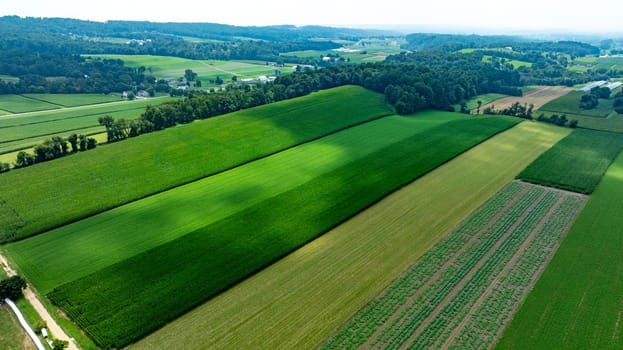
(50, 149)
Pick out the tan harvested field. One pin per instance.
(304, 298)
(537, 97)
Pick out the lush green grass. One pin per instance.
(73, 100)
(570, 104)
(22, 131)
(576, 304)
(13, 336)
(21, 104)
(87, 183)
(576, 163)
(125, 301)
(299, 301)
(174, 67)
(174, 213)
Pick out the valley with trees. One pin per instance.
(198, 185)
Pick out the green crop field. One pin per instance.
(462, 292)
(576, 163)
(576, 304)
(73, 100)
(203, 202)
(570, 104)
(158, 161)
(291, 304)
(21, 104)
(25, 130)
(124, 302)
(174, 67)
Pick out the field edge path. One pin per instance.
(33, 299)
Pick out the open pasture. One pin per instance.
(299, 301)
(203, 202)
(537, 97)
(21, 104)
(576, 163)
(122, 172)
(462, 292)
(576, 304)
(124, 302)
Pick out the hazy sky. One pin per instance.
(561, 15)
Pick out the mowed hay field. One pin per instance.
(158, 161)
(21, 104)
(537, 97)
(121, 303)
(576, 304)
(305, 297)
(131, 229)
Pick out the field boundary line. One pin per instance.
(54, 133)
(437, 274)
(20, 114)
(40, 100)
(509, 265)
(472, 272)
(385, 115)
(70, 118)
(33, 299)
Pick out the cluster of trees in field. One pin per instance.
(50, 72)
(56, 147)
(558, 120)
(591, 100)
(12, 287)
(618, 102)
(412, 83)
(516, 110)
(525, 111)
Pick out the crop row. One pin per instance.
(381, 309)
(378, 311)
(474, 278)
(431, 297)
(434, 297)
(488, 320)
(457, 308)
